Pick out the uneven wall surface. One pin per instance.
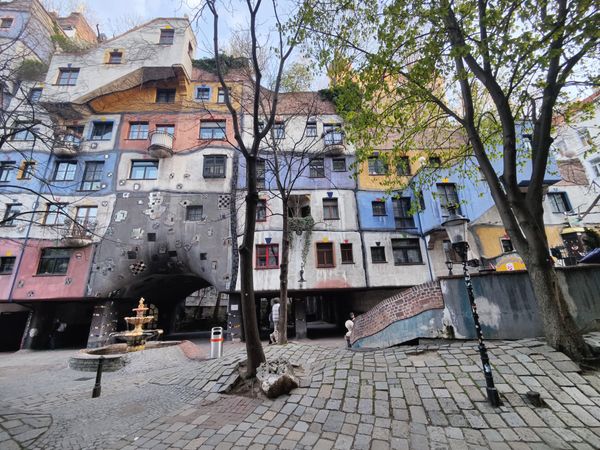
(505, 302)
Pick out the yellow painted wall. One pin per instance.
(144, 99)
(489, 238)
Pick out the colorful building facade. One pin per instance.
(131, 185)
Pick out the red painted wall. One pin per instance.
(187, 130)
(30, 286)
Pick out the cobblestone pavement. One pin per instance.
(426, 396)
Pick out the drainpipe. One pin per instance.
(360, 232)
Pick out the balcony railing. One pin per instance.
(334, 141)
(161, 144)
(79, 234)
(67, 145)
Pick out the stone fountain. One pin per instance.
(136, 338)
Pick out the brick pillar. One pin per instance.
(300, 310)
(104, 321)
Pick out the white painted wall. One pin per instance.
(105, 206)
(140, 49)
(388, 274)
(340, 276)
(181, 172)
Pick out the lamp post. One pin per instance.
(456, 228)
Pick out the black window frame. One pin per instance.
(115, 57)
(261, 210)
(316, 168)
(403, 166)
(12, 210)
(449, 197)
(69, 164)
(311, 128)
(400, 251)
(374, 251)
(6, 22)
(138, 131)
(167, 36)
(213, 130)
(333, 134)
(376, 206)
(507, 245)
(377, 166)
(55, 214)
(331, 211)
(7, 264)
(6, 168)
(347, 253)
(100, 130)
(434, 161)
(556, 208)
(337, 169)
(402, 217)
(194, 213)
(210, 162)
(95, 183)
(145, 165)
(56, 261)
(165, 95)
(72, 74)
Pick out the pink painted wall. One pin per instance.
(187, 130)
(8, 248)
(30, 286)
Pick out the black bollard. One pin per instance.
(97, 386)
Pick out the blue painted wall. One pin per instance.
(332, 180)
(73, 187)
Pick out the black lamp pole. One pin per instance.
(456, 228)
(492, 393)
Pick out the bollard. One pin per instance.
(216, 342)
(97, 386)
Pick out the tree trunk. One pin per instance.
(254, 349)
(560, 328)
(283, 276)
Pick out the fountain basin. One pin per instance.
(115, 356)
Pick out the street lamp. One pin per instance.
(456, 228)
(449, 265)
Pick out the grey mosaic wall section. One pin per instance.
(150, 236)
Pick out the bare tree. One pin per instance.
(255, 100)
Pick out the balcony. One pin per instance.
(333, 142)
(161, 144)
(79, 235)
(67, 145)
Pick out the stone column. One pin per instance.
(300, 306)
(104, 321)
(39, 327)
(234, 317)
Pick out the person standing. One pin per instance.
(274, 336)
(349, 326)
